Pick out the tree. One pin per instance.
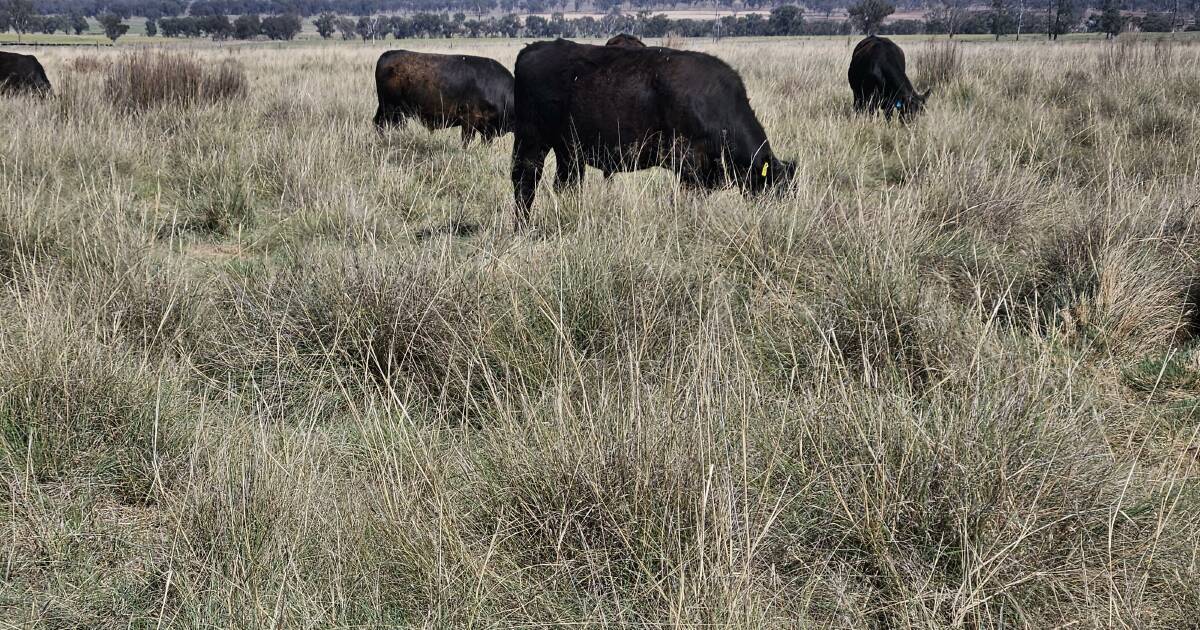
(381, 26)
(151, 27)
(326, 24)
(868, 15)
(346, 27)
(999, 19)
(363, 28)
(657, 26)
(1111, 21)
(282, 27)
(509, 25)
(1065, 16)
(52, 23)
(20, 16)
(1155, 22)
(114, 27)
(217, 26)
(946, 16)
(535, 26)
(786, 20)
(402, 28)
(247, 26)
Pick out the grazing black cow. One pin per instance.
(625, 40)
(879, 82)
(442, 91)
(624, 109)
(22, 74)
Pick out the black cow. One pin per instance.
(879, 82)
(625, 40)
(441, 91)
(22, 74)
(623, 109)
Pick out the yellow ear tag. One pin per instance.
(764, 173)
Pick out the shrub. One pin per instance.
(146, 79)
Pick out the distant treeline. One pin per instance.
(787, 20)
(865, 16)
(481, 9)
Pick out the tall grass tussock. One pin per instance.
(252, 373)
(147, 78)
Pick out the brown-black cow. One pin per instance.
(624, 109)
(879, 82)
(625, 40)
(22, 74)
(441, 91)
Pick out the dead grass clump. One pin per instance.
(1070, 88)
(876, 320)
(80, 411)
(144, 79)
(608, 493)
(938, 64)
(674, 40)
(87, 64)
(410, 328)
(922, 500)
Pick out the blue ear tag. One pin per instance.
(899, 104)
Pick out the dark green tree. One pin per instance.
(20, 16)
(52, 23)
(346, 28)
(786, 20)
(868, 15)
(509, 25)
(1155, 22)
(247, 26)
(326, 24)
(282, 27)
(217, 26)
(1062, 16)
(1111, 21)
(114, 26)
(151, 27)
(999, 20)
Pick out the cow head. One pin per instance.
(911, 104)
(772, 173)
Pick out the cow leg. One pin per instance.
(528, 161)
(386, 117)
(468, 134)
(888, 103)
(860, 99)
(380, 119)
(570, 168)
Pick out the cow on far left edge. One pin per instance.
(22, 74)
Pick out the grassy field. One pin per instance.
(260, 367)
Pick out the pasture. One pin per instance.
(260, 367)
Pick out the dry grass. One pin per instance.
(148, 78)
(937, 63)
(254, 373)
(87, 63)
